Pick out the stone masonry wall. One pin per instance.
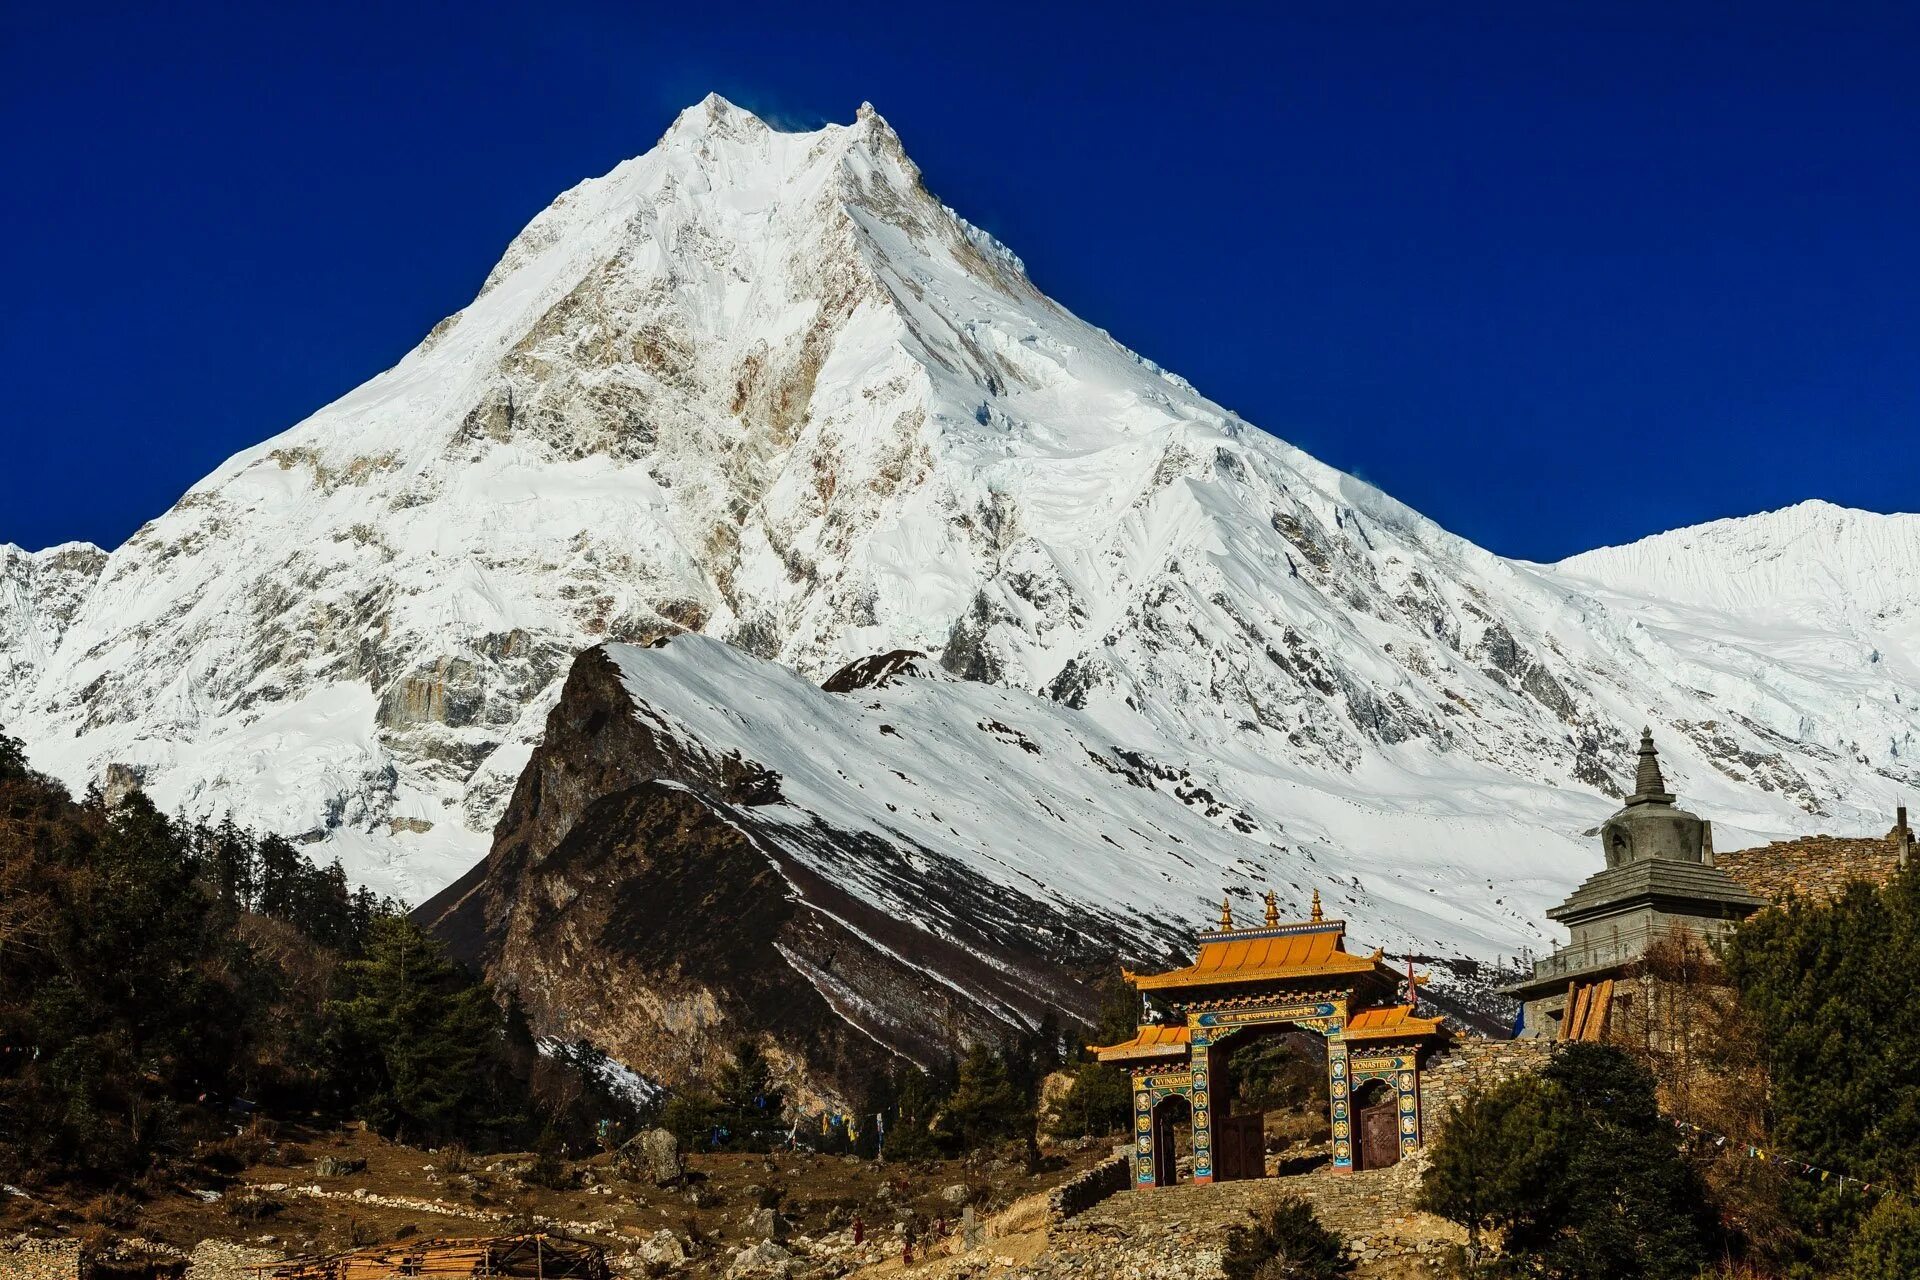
(1081, 1193)
(1470, 1065)
(1812, 866)
(25, 1258)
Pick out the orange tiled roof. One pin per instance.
(1150, 1042)
(1391, 1023)
(1226, 958)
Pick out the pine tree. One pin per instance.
(1119, 1014)
(1099, 1103)
(13, 758)
(279, 867)
(749, 1104)
(918, 1097)
(415, 1039)
(231, 854)
(1830, 986)
(1577, 1169)
(987, 1106)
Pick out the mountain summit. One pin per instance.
(766, 387)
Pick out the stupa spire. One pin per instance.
(1648, 784)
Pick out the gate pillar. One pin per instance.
(1340, 1104)
(1203, 1059)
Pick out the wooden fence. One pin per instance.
(530, 1257)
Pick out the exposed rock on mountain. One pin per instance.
(40, 592)
(767, 388)
(662, 898)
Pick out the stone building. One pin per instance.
(1660, 875)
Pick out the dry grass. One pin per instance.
(818, 1194)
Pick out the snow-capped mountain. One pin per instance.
(764, 386)
(40, 592)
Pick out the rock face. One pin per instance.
(767, 388)
(638, 895)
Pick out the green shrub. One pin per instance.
(1887, 1243)
(1286, 1243)
(1577, 1169)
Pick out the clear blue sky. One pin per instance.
(1556, 275)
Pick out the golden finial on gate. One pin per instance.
(1226, 913)
(1316, 906)
(1273, 909)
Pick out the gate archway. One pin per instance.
(1248, 982)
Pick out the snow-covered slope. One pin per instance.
(40, 591)
(1042, 803)
(765, 387)
(1803, 624)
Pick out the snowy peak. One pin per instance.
(1813, 556)
(765, 387)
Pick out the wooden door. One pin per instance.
(1379, 1133)
(1166, 1154)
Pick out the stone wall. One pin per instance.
(1471, 1065)
(1812, 866)
(28, 1258)
(1178, 1233)
(1078, 1194)
(225, 1260)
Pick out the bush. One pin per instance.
(548, 1168)
(1579, 1171)
(1287, 1243)
(692, 1117)
(252, 1205)
(111, 1210)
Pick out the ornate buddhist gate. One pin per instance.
(1298, 975)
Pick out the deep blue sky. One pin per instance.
(1556, 275)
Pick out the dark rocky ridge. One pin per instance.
(639, 895)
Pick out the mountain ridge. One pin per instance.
(766, 387)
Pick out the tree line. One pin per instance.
(163, 981)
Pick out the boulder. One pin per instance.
(654, 1156)
(663, 1248)
(765, 1259)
